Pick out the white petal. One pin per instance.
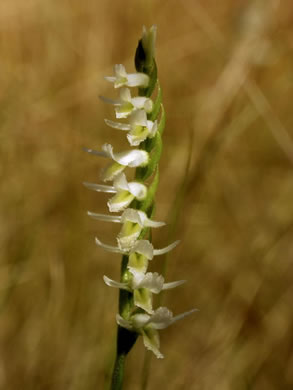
(140, 217)
(153, 127)
(103, 217)
(120, 78)
(151, 281)
(125, 95)
(138, 190)
(100, 187)
(137, 80)
(180, 316)
(137, 279)
(112, 79)
(131, 80)
(168, 286)
(132, 215)
(161, 319)
(120, 182)
(96, 152)
(109, 248)
(138, 118)
(123, 323)
(112, 283)
(167, 249)
(149, 223)
(117, 125)
(119, 70)
(110, 101)
(141, 102)
(148, 105)
(131, 158)
(143, 247)
(140, 320)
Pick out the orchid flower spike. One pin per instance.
(134, 198)
(149, 324)
(126, 104)
(139, 127)
(122, 78)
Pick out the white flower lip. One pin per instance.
(122, 78)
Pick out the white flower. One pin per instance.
(131, 158)
(148, 325)
(133, 222)
(125, 105)
(139, 127)
(139, 255)
(143, 286)
(125, 192)
(122, 78)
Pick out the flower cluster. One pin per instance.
(134, 200)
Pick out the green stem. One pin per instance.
(125, 338)
(118, 372)
(125, 341)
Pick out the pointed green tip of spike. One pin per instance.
(145, 58)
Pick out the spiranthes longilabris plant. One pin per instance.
(133, 199)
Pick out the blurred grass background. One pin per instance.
(226, 69)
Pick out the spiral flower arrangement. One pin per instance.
(134, 200)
